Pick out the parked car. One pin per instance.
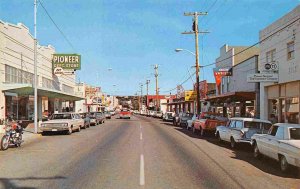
(151, 113)
(207, 123)
(176, 118)
(240, 130)
(66, 122)
(125, 114)
(159, 114)
(168, 116)
(97, 118)
(282, 143)
(191, 122)
(112, 112)
(184, 118)
(87, 120)
(107, 115)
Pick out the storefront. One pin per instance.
(283, 102)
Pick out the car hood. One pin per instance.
(295, 143)
(57, 121)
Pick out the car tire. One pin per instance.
(284, 166)
(79, 129)
(256, 152)
(232, 143)
(69, 132)
(202, 133)
(219, 138)
(194, 130)
(89, 125)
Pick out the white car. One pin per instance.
(67, 122)
(190, 122)
(240, 130)
(282, 143)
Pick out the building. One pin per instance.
(234, 95)
(92, 98)
(163, 101)
(17, 77)
(280, 44)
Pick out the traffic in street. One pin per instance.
(142, 152)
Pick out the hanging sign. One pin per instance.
(67, 61)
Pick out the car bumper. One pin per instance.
(248, 141)
(54, 129)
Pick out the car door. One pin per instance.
(268, 142)
(227, 130)
(77, 120)
(235, 132)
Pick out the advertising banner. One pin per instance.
(190, 95)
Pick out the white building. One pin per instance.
(281, 46)
(17, 75)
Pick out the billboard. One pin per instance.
(67, 61)
(190, 95)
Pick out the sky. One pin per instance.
(120, 41)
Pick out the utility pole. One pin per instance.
(141, 85)
(156, 88)
(196, 32)
(35, 71)
(147, 83)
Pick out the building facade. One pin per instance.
(234, 95)
(17, 77)
(280, 47)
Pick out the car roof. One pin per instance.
(288, 125)
(249, 119)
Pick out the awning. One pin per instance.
(233, 97)
(27, 89)
(179, 102)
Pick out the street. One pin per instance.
(138, 153)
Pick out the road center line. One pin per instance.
(142, 171)
(141, 136)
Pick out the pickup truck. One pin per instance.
(66, 122)
(282, 143)
(207, 122)
(125, 114)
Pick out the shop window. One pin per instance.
(273, 110)
(270, 56)
(290, 50)
(292, 110)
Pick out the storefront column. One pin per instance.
(225, 112)
(2, 106)
(243, 109)
(40, 108)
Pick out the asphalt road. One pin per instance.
(137, 153)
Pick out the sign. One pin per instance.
(262, 77)
(271, 66)
(180, 91)
(58, 71)
(223, 71)
(190, 95)
(67, 61)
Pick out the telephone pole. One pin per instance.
(147, 83)
(141, 85)
(196, 32)
(156, 88)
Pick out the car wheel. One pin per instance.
(256, 152)
(194, 130)
(283, 163)
(219, 138)
(84, 126)
(232, 143)
(79, 129)
(69, 132)
(89, 125)
(201, 132)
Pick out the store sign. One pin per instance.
(272, 66)
(190, 95)
(223, 71)
(262, 77)
(67, 61)
(58, 71)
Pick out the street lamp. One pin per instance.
(197, 78)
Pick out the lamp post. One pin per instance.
(35, 71)
(197, 78)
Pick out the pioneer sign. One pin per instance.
(67, 61)
(262, 77)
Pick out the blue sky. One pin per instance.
(131, 36)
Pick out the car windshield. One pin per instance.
(252, 125)
(61, 116)
(295, 133)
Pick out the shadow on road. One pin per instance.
(9, 182)
(244, 152)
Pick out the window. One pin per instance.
(252, 125)
(232, 124)
(295, 133)
(14, 75)
(270, 56)
(290, 50)
(280, 133)
(273, 130)
(239, 124)
(292, 110)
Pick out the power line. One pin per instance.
(61, 32)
